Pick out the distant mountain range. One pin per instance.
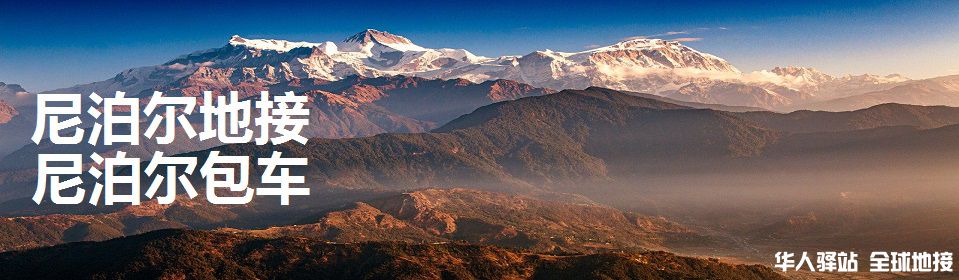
(656, 66)
(935, 91)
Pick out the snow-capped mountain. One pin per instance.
(642, 65)
(639, 65)
(736, 93)
(935, 91)
(802, 78)
(655, 66)
(781, 88)
(823, 86)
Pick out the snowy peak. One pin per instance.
(370, 37)
(269, 44)
(642, 44)
(656, 53)
(808, 73)
(645, 43)
(646, 65)
(824, 86)
(802, 78)
(891, 78)
(792, 70)
(812, 76)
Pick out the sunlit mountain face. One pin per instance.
(657, 66)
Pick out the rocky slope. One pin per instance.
(432, 215)
(19, 233)
(476, 217)
(7, 112)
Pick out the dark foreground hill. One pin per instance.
(184, 254)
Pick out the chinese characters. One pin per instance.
(117, 121)
(878, 261)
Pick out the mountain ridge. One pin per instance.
(639, 65)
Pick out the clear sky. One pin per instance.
(52, 45)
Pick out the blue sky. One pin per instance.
(52, 45)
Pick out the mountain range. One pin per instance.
(377, 53)
(934, 91)
(656, 66)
